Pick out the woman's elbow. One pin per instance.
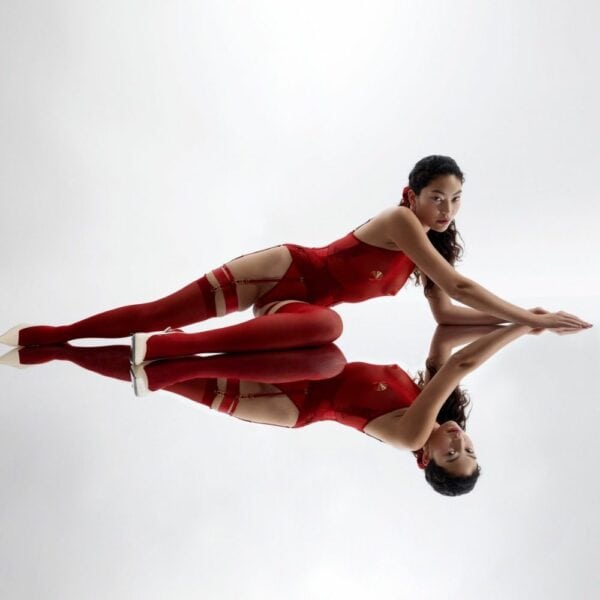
(442, 317)
(464, 362)
(445, 319)
(460, 289)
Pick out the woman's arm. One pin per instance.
(414, 428)
(446, 313)
(406, 231)
(446, 338)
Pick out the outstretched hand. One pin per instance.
(561, 323)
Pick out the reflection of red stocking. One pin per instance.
(295, 325)
(111, 361)
(227, 394)
(266, 367)
(194, 302)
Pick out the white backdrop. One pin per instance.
(144, 144)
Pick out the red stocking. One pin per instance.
(111, 361)
(295, 325)
(266, 367)
(194, 302)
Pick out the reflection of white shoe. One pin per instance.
(11, 337)
(139, 342)
(139, 379)
(11, 359)
(138, 347)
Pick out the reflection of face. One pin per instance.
(451, 448)
(439, 200)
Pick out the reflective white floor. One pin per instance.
(143, 144)
(109, 495)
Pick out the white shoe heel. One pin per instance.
(138, 347)
(11, 337)
(139, 342)
(140, 380)
(11, 359)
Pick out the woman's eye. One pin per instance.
(470, 450)
(440, 199)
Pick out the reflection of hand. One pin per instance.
(459, 333)
(561, 321)
(538, 330)
(447, 337)
(538, 310)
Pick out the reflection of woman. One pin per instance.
(295, 388)
(292, 287)
(381, 400)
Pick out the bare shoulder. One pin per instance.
(376, 231)
(412, 428)
(402, 216)
(397, 228)
(384, 215)
(392, 213)
(386, 429)
(402, 226)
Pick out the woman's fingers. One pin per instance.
(577, 319)
(564, 320)
(566, 330)
(568, 320)
(560, 319)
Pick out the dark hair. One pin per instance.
(453, 409)
(439, 479)
(445, 243)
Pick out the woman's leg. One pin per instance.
(110, 361)
(309, 364)
(234, 286)
(239, 385)
(292, 325)
(247, 400)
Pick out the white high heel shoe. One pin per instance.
(11, 337)
(139, 379)
(11, 359)
(139, 342)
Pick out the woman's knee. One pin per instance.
(326, 325)
(322, 324)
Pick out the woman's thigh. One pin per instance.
(272, 307)
(255, 274)
(263, 403)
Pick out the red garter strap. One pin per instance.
(231, 396)
(209, 391)
(227, 285)
(208, 295)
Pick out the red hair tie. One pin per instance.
(419, 457)
(405, 193)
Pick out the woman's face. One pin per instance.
(437, 204)
(451, 448)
